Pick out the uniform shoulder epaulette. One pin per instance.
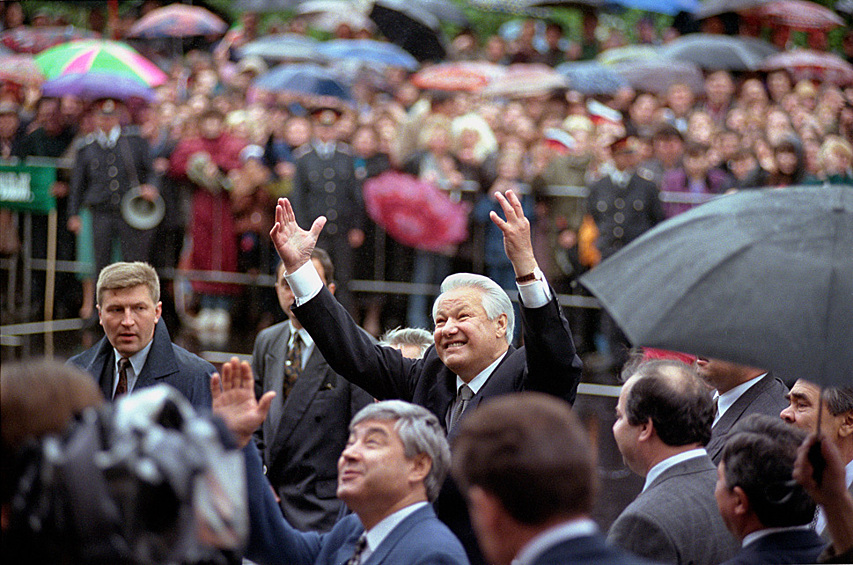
(301, 150)
(645, 174)
(131, 130)
(343, 148)
(88, 140)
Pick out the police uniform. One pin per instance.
(325, 184)
(106, 168)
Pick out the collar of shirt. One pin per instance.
(307, 342)
(325, 150)
(658, 469)
(477, 382)
(725, 400)
(137, 361)
(380, 531)
(549, 538)
(755, 536)
(108, 139)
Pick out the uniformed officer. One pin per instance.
(111, 162)
(325, 184)
(624, 204)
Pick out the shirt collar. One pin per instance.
(725, 400)
(110, 138)
(380, 531)
(303, 334)
(572, 529)
(137, 362)
(477, 382)
(662, 466)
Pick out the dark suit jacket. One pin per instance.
(166, 363)
(587, 550)
(304, 435)
(799, 546)
(767, 396)
(419, 539)
(547, 363)
(676, 519)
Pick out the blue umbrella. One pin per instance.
(283, 46)
(303, 78)
(591, 78)
(669, 7)
(369, 52)
(95, 84)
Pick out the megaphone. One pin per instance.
(141, 213)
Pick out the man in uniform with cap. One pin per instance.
(112, 161)
(325, 184)
(624, 203)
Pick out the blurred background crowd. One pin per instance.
(566, 102)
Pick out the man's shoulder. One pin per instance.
(187, 360)
(85, 359)
(588, 550)
(271, 333)
(424, 535)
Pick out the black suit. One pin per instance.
(797, 546)
(547, 363)
(166, 363)
(303, 436)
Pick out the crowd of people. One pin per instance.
(219, 151)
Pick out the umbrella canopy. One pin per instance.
(658, 75)
(591, 78)
(111, 57)
(523, 80)
(37, 39)
(410, 26)
(669, 7)
(806, 64)
(305, 79)
(178, 20)
(283, 47)
(445, 10)
(20, 69)
(763, 278)
(465, 76)
(94, 85)
(415, 213)
(368, 51)
(719, 52)
(264, 6)
(627, 53)
(327, 15)
(716, 7)
(798, 14)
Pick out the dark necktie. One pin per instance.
(360, 546)
(293, 365)
(464, 395)
(121, 388)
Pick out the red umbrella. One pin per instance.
(798, 14)
(806, 64)
(467, 76)
(178, 20)
(37, 39)
(414, 212)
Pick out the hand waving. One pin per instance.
(294, 245)
(516, 230)
(234, 400)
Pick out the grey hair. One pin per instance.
(838, 400)
(419, 431)
(417, 337)
(495, 300)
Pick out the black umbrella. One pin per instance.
(719, 52)
(410, 26)
(763, 278)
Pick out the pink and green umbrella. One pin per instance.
(112, 57)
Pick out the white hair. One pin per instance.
(495, 300)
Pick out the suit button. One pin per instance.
(113, 185)
(329, 186)
(112, 171)
(329, 173)
(332, 215)
(618, 217)
(331, 229)
(601, 206)
(619, 203)
(111, 158)
(638, 205)
(115, 198)
(618, 232)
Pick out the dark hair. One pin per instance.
(530, 451)
(674, 398)
(320, 255)
(759, 458)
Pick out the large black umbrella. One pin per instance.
(719, 52)
(763, 278)
(410, 26)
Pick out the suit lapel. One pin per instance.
(274, 376)
(393, 538)
(161, 359)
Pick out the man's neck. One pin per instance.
(664, 452)
(371, 515)
(471, 375)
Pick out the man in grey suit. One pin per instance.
(137, 351)
(741, 391)
(663, 420)
(836, 425)
(306, 429)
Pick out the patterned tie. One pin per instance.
(121, 388)
(293, 365)
(465, 394)
(360, 546)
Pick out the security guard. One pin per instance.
(624, 204)
(111, 161)
(325, 184)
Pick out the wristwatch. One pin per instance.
(536, 275)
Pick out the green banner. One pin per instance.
(26, 187)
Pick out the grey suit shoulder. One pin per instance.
(676, 519)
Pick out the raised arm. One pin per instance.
(234, 400)
(516, 230)
(293, 244)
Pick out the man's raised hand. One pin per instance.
(293, 244)
(234, 400)
(516, 230)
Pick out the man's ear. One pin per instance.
(846, 427)
(741, 507)
(502, 323)
(647, 430)
(421, 465)
(158, 311)
(332, 286)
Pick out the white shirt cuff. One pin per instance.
(305, 282)
(534, 294)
